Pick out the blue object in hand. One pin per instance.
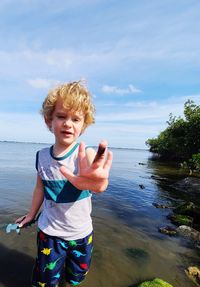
(11, 227)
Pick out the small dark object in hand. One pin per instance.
(100, 152)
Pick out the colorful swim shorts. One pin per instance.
(56, 255)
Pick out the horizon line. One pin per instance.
(29, 142)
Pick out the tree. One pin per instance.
(181, 139)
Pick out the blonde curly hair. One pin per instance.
(75, 97)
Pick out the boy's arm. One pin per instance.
(37, 200)
(94, 169)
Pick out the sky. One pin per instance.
(139, 59)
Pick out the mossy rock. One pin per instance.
(157, 282)
(193, 273)
(168, 230)
(180, 219)
(188, 208)
(185, 208)
(137, 254)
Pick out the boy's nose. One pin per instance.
(67, 122)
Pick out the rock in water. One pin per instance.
(188, 208)
(193, 273)
(189, 232)
(157, 282)
(138, 254)
(169, 230)
(180, 219)
(159, 205)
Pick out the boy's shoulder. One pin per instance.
(44, 150)
(43, 153)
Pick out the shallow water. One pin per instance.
(128, 247)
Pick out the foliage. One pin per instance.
(181, 139)
(195, 162)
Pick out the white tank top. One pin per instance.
(66, 210)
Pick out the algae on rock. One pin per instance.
(157, 282)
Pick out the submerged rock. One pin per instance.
(180, 219)
(169, 230)
(193, 273)
(189, 232)
(160, 179)
(159, 205)
(137, 254)
(157, 282)
(188, 208)
(188, 184)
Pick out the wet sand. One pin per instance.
(123, 257)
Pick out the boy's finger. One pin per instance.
(82, 155)
(67, 173)
(22, 223)
(82, 150)
(19, 220)
(108, 162)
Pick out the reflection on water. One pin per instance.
(128, 247)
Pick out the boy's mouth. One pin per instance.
(66, 133)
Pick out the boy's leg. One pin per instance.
(49, 262)
(78, 259)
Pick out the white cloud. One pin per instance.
(39, 83)
(139, 115)
(155, 111)
(51, 57)
(50, 6)
(132, 135)
(121, 129)
(31, 128)
(104, 46)
(107, 89)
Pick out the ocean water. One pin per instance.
(128, 247)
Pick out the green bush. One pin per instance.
(181, 139)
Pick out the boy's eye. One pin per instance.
(76, 119)
(60, 117)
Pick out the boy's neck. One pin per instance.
(60, 150)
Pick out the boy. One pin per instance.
(66, 173)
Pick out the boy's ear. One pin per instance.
(83, 128)
(48, 122)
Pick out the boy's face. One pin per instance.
(66, 125)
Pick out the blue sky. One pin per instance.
(140, 60)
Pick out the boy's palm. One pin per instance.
(91, 176)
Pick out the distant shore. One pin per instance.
(44, 143)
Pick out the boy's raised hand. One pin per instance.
(92, 176)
